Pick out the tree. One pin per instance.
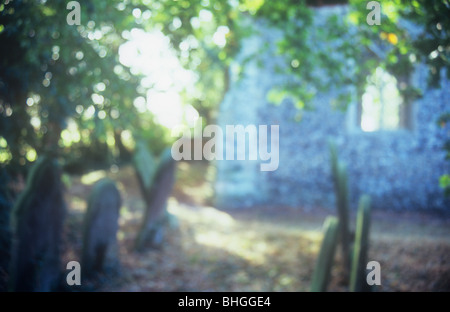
(54, 74)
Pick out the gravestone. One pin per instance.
(156, 217)
(100, 249)
(5, 234)
(145, 166)
(37, 225)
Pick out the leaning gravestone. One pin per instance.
(100, 249)
(37, 224)
(156, 193)
(145, 166)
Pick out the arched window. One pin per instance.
(382, 106)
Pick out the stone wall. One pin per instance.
(399, 169)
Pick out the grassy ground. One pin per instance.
(259, 249)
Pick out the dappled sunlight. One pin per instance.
(243, 244)
(77, 204)
(253, 241)
(92, 177)
(315, 237)
(251, 250)
(201, 192)
(127, 215)
(208, 216)
(238, 244)
(217, 229)
(110, 113)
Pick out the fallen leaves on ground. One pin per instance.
(258, 249)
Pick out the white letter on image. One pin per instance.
(74, 276)
(374, 16)
(274, 147)
(74, 17)
(374, 276)
(240, 132)
(198, 139)
(216, 142)
(183, 142)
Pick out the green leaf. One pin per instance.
(444, 181)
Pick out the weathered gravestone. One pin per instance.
(100, 249)
(5, 235)
(156, 186)
(145, 165)
(37, 224)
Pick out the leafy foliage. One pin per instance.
(348, 49)
(444, 181)
(63, 90)
(54, 75)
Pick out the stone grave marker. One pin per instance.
(37, 225)
(156, 217)
(100, 249)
